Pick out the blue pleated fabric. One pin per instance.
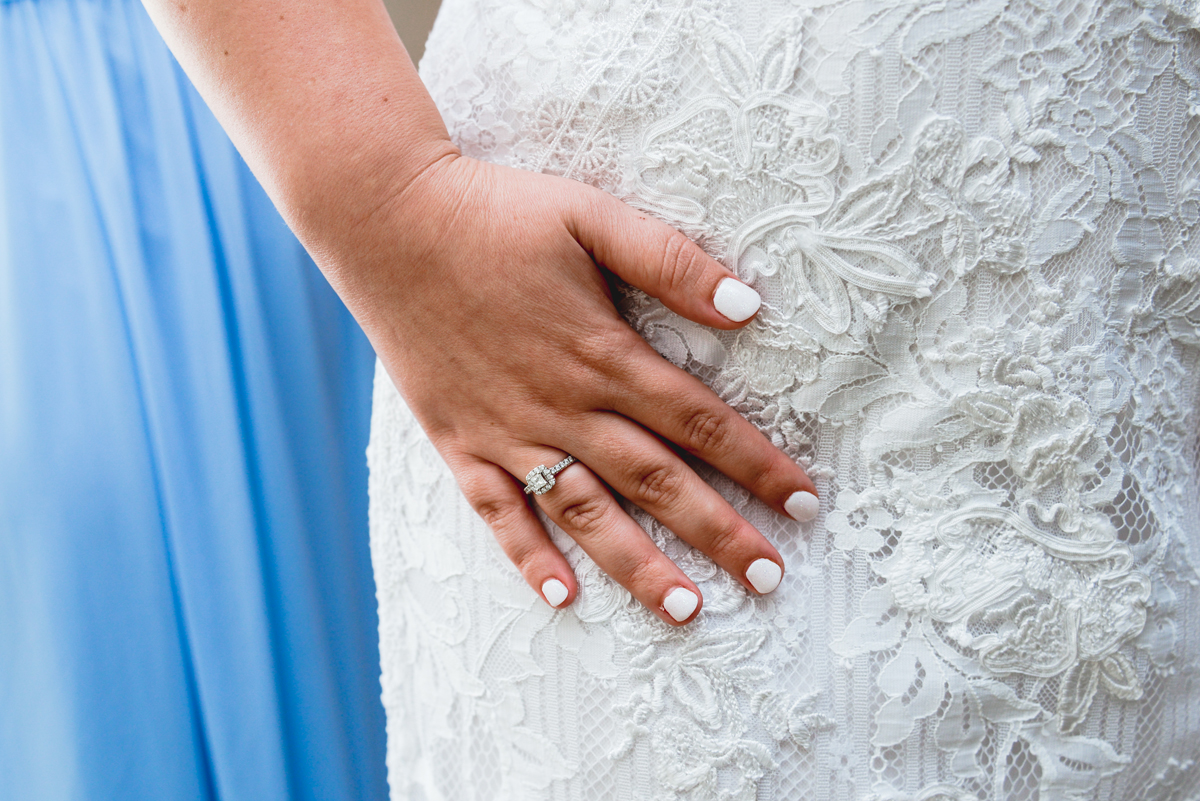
(186, 602)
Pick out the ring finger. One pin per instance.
(581, 505)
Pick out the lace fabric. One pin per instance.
(975, 225)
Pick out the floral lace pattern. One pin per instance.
(975, 225)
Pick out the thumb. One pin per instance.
(661, 261)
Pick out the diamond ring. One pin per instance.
(541, 478)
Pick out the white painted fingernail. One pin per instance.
(735, 300)
(555, 592)
(764, 575)
(680, 603)
(802, 506)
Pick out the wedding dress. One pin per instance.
(975, 225)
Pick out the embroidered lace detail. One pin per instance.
(975, 225)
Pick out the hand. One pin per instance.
(497, 326)
(476, 287)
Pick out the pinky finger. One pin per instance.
(500, 501)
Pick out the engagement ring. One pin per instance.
(541, 478)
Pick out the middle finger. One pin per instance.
(643, 469)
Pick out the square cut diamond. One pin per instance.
(539, 480)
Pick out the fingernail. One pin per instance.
(555, 592)
(764, 575)
(680, 603)
(735, 300)
(802, 506)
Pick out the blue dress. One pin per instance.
(186, 602)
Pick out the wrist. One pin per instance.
(379, 250)
(335, 197)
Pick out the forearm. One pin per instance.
(320, 98)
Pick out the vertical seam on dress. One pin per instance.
(600, 121)
(577, 102)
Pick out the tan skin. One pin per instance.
(482, 290)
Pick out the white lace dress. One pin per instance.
(975, 225)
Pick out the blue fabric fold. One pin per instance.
(186, 601)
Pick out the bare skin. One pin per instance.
(482, 290)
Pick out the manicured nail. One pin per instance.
(680, 603)
(555, 592)
(764, 575)
(802, 506)
(735, 300)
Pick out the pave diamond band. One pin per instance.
(541, 478)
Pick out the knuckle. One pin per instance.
(774, 473)
(603, 347)
(506, 520)
(499, 515)
(608, 359)
(584, 517)
(725, 540)
(706, 431)
(655, 486)
(522, 555)
(642, 571)
(680, 262)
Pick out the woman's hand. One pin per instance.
(477, 289)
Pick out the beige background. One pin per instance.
(413, 19)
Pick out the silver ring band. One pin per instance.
(541, 478)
